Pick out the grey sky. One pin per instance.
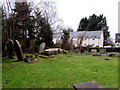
(71, 11)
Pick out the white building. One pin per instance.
(94, 38)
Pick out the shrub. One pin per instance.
(88, 47)
(97, 45)
(58, 44)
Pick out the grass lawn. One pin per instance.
(61, 71)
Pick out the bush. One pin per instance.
(88, 48)
(97, 45)
(58, 44)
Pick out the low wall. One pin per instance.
(103, 49)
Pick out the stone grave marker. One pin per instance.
(18, 50)
(93, 50)
(92, 85)
(29, 59)
(32, 46)
(42, 47)
(10, 48)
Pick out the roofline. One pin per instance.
(83, 31)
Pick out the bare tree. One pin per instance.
(49, 11)
(110, 42)
(80, 40)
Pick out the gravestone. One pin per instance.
(29, 59)
(93, 50)
(32, 46)
(10, 48)
(18, 50)
(102, 50)
(91, 84)
(42, 47)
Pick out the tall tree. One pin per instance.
(0, 30)
(44, 31)
(80, 40)
(94, 23)
(83, 24)
(18, 22)
(44, 27)
(6, 31)
(65, 39)
(24, 21)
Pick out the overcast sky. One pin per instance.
(71, 11)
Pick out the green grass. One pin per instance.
(61, 71)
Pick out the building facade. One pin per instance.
(93, 38)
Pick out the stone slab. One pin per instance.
(90, 84)
(52, 49)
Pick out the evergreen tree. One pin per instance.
(47, 35)
(24, 22)
(83, 24)
(65, 38)
(45, 32)
(94, 23)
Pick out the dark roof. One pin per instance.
(88, 34)
(76, 34)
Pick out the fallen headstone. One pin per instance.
(43, 56)
(29, 59)
(91, 84)
(52, 51)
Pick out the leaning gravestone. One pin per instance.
(18, 50)
(42, 47)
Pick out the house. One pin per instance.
(93, 38)
(117, 40)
